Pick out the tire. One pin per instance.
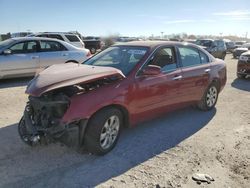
(209, 98)
(23, 132)
(240, 76)
(93, 50)
(103, 131)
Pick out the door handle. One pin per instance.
(65, 54)
(207, 70)
(34, 57)
(177, 77)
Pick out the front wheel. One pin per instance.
(103, 131)
(209, 98)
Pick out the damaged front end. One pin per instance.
(50, 95)
(41, 122)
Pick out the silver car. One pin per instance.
(24, 56)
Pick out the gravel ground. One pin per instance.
(161, 153)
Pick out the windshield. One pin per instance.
(5, 43)
(123, 58)
(206, 43)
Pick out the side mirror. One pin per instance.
(151, 70)
(7, 52)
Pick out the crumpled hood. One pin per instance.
(62, 75)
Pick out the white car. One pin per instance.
(67, 37)
(25, 56)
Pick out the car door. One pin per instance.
(195, 73)
(22, 60)
(157, 93)
(52, 52)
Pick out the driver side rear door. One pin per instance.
(156, 94)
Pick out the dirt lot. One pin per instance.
(161, 153)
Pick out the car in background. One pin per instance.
(230, 46)
(26, 55)
(20, 34)
(215, 47)
(239, 43)
(238, 51)
(67, 37)
(243, 67)
(93, 43)
(89, 104)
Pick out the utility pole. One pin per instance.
(162, 34)
(246, 34)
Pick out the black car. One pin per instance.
(215, 47)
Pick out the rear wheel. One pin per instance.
(209, 98)
(103, 131)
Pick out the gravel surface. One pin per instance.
(165, 152)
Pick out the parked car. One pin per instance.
(239, 43)
(24, 56)
(238, 51)
(119, 87)
(230, 46)
(93, 43)
(215, 47)
(67, 37)
(243, 67)
(20, 34)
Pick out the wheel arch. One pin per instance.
(71, 61)
(124, 111)
(216, 81)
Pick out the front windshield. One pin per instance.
(5, 43)
(123, 58)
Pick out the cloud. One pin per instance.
(236, 15)
(178, 21)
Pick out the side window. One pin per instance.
(165, 58)
(204, 58)
(17, 48)
(51, 46)
(189, 56)
(31, 47)
(54, 36)
(72, 38)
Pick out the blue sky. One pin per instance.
(127, 17)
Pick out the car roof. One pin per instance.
(153, 44)
(33, 38)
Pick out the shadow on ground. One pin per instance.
(14, 82)
(59, 166)
(242, 84)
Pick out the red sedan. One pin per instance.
(88, 104)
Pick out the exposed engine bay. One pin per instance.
(41, 122)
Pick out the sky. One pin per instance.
(127, 17)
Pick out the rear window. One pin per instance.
(54, 36)
(72, 38)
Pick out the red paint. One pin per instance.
(145, 97)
